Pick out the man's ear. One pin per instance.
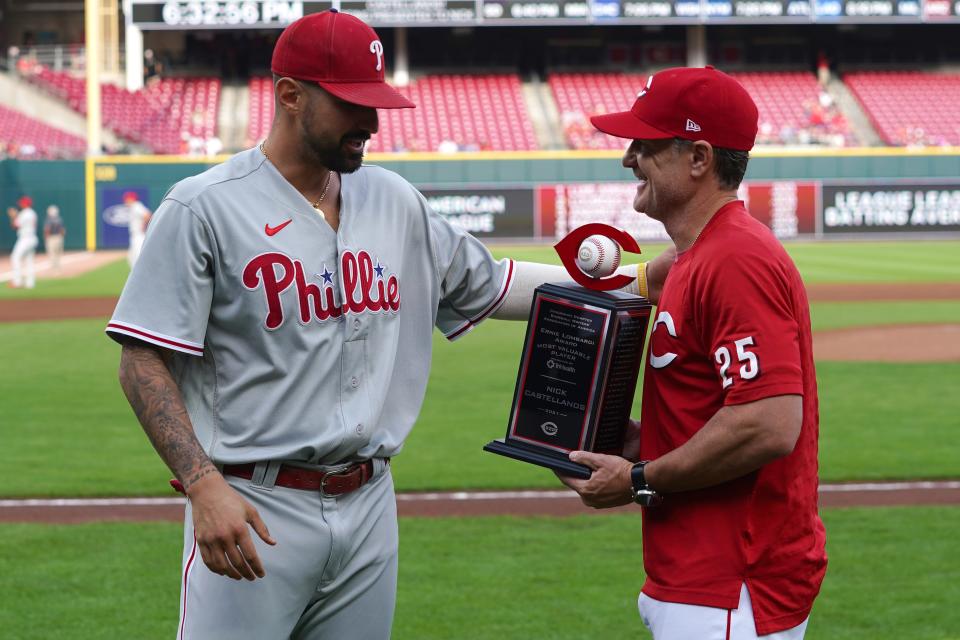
(701, 159)
(290, 95)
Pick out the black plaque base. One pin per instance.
(547, 459)
(578, 373)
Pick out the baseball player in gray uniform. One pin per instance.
(276, 340)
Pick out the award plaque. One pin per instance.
(578, 369)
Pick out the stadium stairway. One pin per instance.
(25, 98)
(543, 114)
(857, 118)
(233, 116)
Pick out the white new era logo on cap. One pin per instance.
(692, 126)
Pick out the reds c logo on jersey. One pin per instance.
(363, 287)
(660, 361)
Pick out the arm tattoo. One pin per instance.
(156, 400)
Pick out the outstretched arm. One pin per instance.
(220, 514)
(649, 279)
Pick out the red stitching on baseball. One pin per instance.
(600, 257)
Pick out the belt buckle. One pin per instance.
(336, 471)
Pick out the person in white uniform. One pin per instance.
(53, 236)
(138, 216)
(25, 248)
(276, 338)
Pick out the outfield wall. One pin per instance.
(541, 196)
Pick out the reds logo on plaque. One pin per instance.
(549, 428)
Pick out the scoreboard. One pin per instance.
(246, 14)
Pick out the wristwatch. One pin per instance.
(642, 493)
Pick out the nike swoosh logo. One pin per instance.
(272, 231)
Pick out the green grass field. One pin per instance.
(930, 261)
(894, 573)
(106, 281)
(67, 430)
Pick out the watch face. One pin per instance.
(647, 498)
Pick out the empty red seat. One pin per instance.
(158, 116)
(913, 108)
(473, 112)
(27, 138)
(788, 104)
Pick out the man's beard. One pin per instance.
(332, 154)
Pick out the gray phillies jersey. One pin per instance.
(292, 341)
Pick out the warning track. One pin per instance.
(462, 503)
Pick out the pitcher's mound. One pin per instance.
(895, 343)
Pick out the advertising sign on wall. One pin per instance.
(787, 207)
(486, 211)
(893, 206)
(574, 205)
(115, 218)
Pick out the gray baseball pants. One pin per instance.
(332, 573)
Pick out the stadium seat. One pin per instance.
(910, 108)
(29, 139)
(459, 112)
(789, 107)
(161, 116)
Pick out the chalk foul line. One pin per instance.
(465, 496)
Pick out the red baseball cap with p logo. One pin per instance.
(341, 54)
(689, 103)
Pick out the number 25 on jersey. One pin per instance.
(749, 365)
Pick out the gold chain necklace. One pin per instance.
(326, 184)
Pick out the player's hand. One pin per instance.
(608, 486)
(631, 441)
(220, 519)
(11, 212)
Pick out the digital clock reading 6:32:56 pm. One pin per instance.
(230, 13)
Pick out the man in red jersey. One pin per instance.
(732, 543)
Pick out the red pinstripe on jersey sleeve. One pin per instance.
(153, 337)
(490, 308)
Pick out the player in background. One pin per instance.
(277, 336)
(54, 234)
(139, 217)
(25, 248)
(726, 470)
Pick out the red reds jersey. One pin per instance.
(733, 327)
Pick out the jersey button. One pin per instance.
(356, 325)
(359, 429)
(354, 382)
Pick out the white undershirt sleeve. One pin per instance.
(530, 275)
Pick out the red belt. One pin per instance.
(328, 483)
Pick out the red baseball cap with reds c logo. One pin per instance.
(341, 54)
(689, 103)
